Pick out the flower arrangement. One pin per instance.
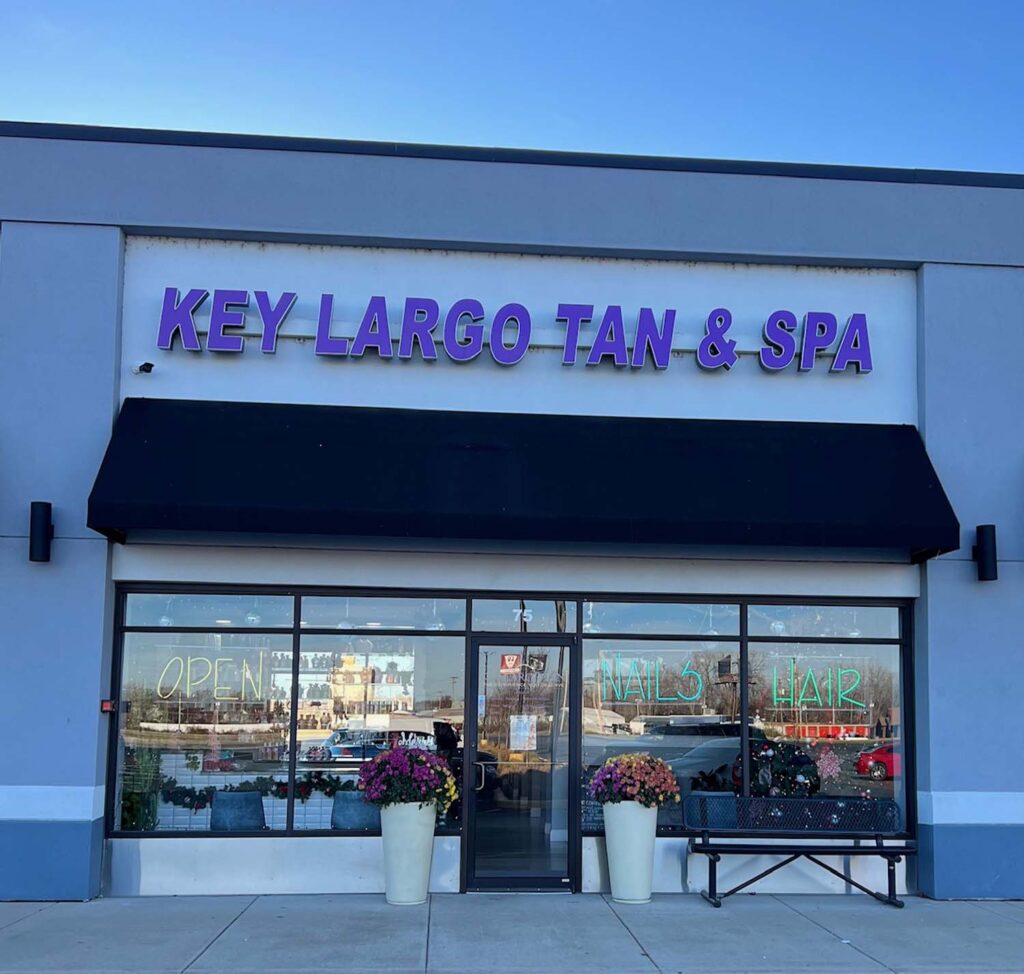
(405, 775)
(634, 778)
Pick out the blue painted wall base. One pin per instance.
(971, 861)
(50, 860)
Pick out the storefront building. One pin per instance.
(527, 458)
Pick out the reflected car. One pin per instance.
(344, 747)
(879, 763)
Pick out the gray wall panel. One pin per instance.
(60, 296)
(973, 680)
(360, 198)
(971, 399)
(971, 343)
(55, 664)
(59, 326)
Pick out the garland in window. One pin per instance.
(197, 799)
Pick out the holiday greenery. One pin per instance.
(197, 799)
(634, 778)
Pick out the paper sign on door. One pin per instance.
(522, 732)
(511, 664)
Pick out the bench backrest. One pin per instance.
(725, 812)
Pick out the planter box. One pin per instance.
(237, 811)
(351, 812)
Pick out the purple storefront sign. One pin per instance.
(592, 335)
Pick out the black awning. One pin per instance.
(226, 467)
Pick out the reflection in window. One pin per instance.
(662, 618)
(361, 694)
(843, 621)
(524, 615)
(204, 732)
(676, 700)
(361, 612)
(209, 611)
(833, 713)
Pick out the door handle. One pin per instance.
(483, 774)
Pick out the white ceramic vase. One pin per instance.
(408, 836)
(629, 832)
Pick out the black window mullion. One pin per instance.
(744, 702)
(293, 719)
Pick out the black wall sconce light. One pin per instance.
(984, 552)
(40, 531)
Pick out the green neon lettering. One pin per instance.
(777, 697)
(687, 672)
(634, 674)
(844, 694)
(657, 688)
(607, 678)
(810, 679)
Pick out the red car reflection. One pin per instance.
(879, 763)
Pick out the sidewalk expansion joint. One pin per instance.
(227, 927)
(832, 933)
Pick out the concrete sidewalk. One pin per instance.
(514, 933)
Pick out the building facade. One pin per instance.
(527, 458)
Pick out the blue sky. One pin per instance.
(903, 83)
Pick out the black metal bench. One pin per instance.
(865, 825)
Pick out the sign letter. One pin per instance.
(177, 317)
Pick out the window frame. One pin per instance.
(904, 642)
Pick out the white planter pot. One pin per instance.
(408, 834)
(629, 832)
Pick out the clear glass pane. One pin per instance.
(524, 615)
(361, 694)
(521, 769)
(184, 611)
(837, 712)
(677, 701)
(204, 732)
(359, 612)
(662, 618)
(844, 621)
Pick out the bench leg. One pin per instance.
(711, 893)
(891, 899)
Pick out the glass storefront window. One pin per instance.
(362, 612)
(524, 615)
(204, 732)
(676, 700)
(662, 618)
(361, 694)
(209, 611)
(208, 711)
(824, 621)
(831, 720)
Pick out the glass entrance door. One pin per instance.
(519, 751)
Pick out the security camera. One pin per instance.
(145, 368)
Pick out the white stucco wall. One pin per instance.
(539, 383)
